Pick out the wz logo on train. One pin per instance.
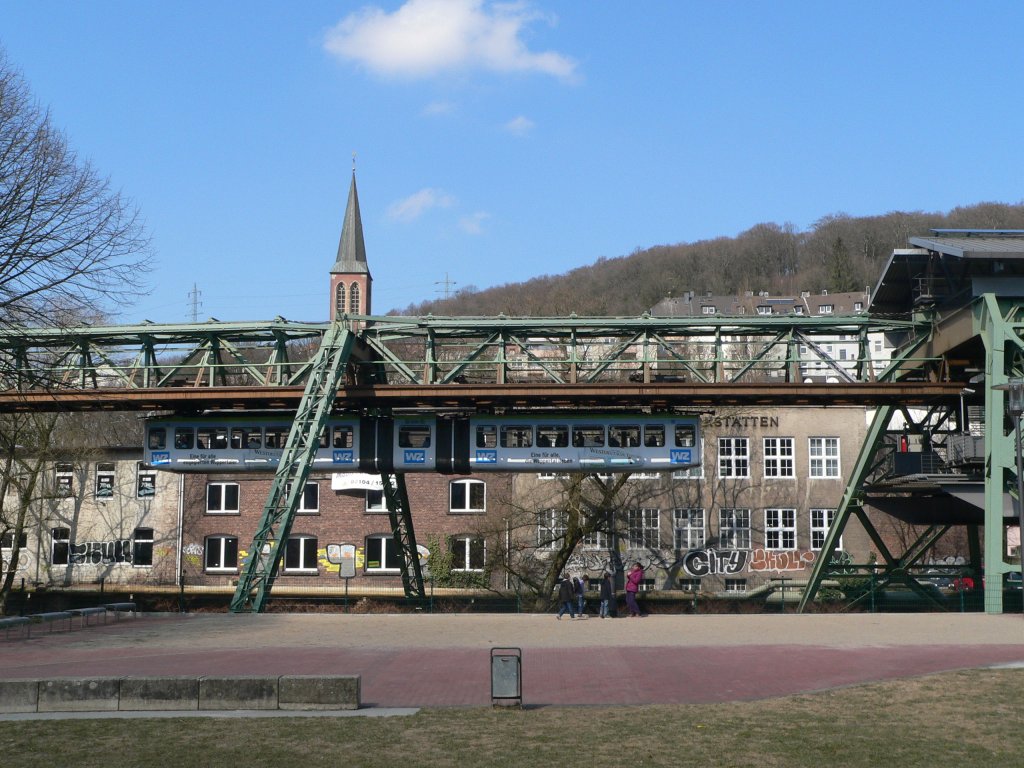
(344, 457)
(160, 457)
(486, 457)
(415, 457)
(681, 457)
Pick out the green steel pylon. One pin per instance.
(293, 470)
(404, 537)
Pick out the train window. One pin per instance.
(157, 438)
(552, 435)
(246, 437)
(212, 438)
(654, 436)
(486, 436)
(183, 437)
(276, 437)
(342, 437)
(588, 436)
(685, 436)
(624, 435)
(517, 436)
(414, 436)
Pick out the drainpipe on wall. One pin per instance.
(181, 519)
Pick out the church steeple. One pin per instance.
(350, 275)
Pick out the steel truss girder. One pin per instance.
(290, 478)
(400, 515)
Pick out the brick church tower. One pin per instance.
(350, 277)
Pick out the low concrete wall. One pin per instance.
(105, 694)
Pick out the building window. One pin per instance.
(708, 309)
(689, 585)
(825, 309)
(353, 299)
(382, 554)
(339, 300)
(824, 453)
(644, 531)
(778, 457)
(763, 309)
(375, 501)
(468, 553)
(468, 496)
(300, 554)
(551, 524)
(858, 306)
(309, 501)
(595, 540)
(735, 585)
(64, 479)
(221, 554)
(221, 498)
(734, 528)
(733, 457)
(60, 546)
(145, 482)
(105, 480)
(689, 528)
(821, 521)
(142, 547)
(780, 529)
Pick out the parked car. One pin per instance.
(1012, 580)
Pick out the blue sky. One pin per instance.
(496, 142)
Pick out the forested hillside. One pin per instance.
(838, 253)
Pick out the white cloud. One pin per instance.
(426, 37)
(474, 224)
(519, 126)
(414, 206)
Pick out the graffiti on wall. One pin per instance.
(706, 562)
(771, 560)
(710, 561)
(101, 552)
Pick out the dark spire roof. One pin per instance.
(351, 248)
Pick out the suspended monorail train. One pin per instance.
(428, 443)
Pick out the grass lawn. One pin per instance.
(962, 719)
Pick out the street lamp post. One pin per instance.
(1016, 408)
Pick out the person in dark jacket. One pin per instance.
(607, 594)
(566, 598)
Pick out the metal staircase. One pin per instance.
(290, 479)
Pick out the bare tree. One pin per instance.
(69, 244)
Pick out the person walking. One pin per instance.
(607, 593)
(633, 580)
(581, 594)
(566, 598)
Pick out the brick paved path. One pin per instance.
(444, 660)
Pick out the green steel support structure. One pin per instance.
(400, 515)
(290, 479)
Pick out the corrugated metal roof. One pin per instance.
(974, 246)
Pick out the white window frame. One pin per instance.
(299, 544)
(310, 493)
(826, 309)
(551, 526)
(708, 309)
(733, 457)
(223, 509)
(779, 458)
(140, 538)
(734, 528)
(372, 506)
(689, 584)
(823, 457)
(735, 585)
(468, 487)
(469, 546)
(689, 528)
(780, 529)
(643, 529)
(821, 519)
(64, 538)
(387, 547)
(221, 541)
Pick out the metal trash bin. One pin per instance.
(506, 677)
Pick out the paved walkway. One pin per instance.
(443, 660)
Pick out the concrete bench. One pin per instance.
(52, 618)
(118, 608)
(7, 623)
(86, 614)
